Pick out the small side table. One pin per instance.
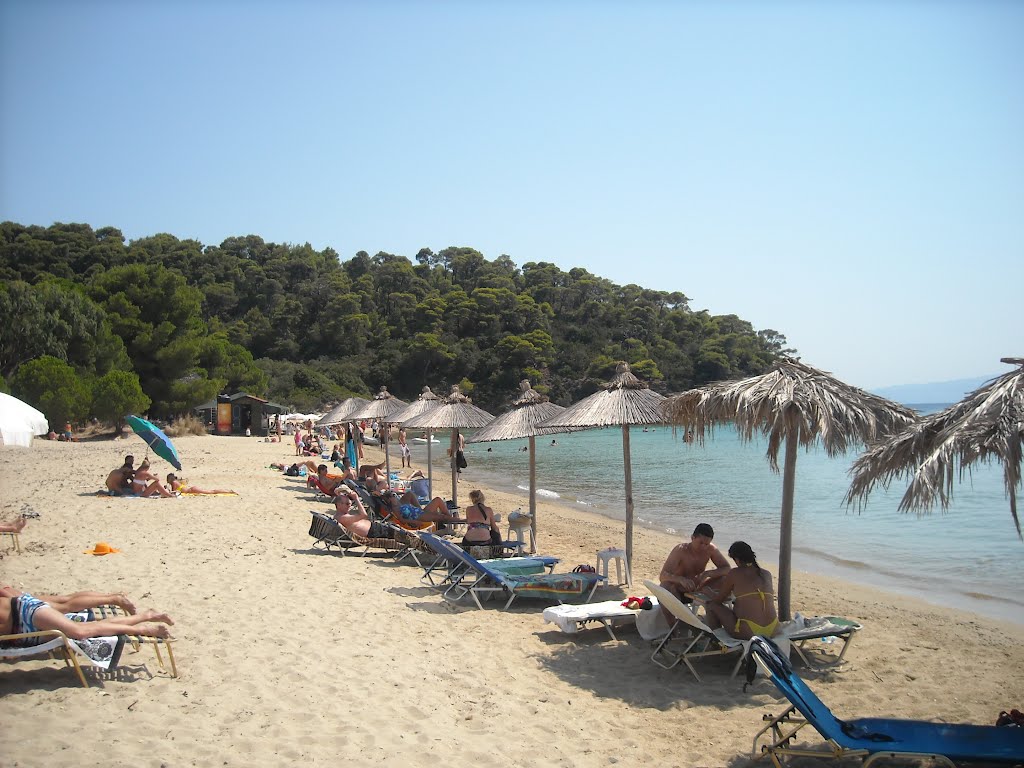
(604, 556)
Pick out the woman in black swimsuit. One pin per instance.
(482, 529)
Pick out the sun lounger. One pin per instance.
(103, 652)
(328, 532)
(442, 571)
(870, 739)
(478, 579)
(571, 619)
(699, 638)
(827, 628)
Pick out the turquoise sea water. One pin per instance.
(969, 556)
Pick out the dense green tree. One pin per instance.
(192, 318)
(116, 395)
(53, 387)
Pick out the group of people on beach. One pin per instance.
(127, 480)
(748, 586)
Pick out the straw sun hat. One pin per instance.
(101, 548)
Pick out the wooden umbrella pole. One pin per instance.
(455, 467)
(533, 493)
(786, 526)
(430, 469)
(628, 467)
(386, 430)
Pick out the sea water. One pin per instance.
(968, 556)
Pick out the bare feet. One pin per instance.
(153, 630)
(156, 616)
(121, 601)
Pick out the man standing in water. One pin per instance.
(685, 569)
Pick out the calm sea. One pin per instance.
(969, 556)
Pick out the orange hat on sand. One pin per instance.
(101, 548)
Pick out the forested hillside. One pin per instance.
(83, 312)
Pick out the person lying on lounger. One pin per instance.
(408, 508)
(753, 612)
(21, 612)
(351, 515)
(181, 485)
(324, 482)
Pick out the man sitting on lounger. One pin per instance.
(323, 482)
(685, 569)
(351, 515)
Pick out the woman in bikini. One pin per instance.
(753, 612)
(181, 485)
(483, 529)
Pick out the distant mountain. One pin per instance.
(932, 392)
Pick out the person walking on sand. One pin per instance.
(404, 448)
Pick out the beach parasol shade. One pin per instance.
(987, 425)
(19, 422)
(792, 404)
(381, 408)
(622, 402)
(523, 420)
(455, 412)
(340, 412)
(427, 401)
(155, 438)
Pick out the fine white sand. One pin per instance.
(287, 654)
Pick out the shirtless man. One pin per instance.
(685, 569)
(119, 482)
(351, 515)
(323, 482)
(404, 448)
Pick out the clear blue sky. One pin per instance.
(849, 174)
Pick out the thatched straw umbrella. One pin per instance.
(528, 410)
(427, 401)
(796, 404)
(987, 424)
(623, 401)
(339, 413)
(455, 412)
(380, 408)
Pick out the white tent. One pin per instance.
(19, 422)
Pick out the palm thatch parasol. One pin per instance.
(528, 410)
(987, 424)
(380, 408)
(796, 404)
(341, 411)
(623, 401)
(427, 401)
(455, 412)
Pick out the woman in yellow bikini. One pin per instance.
(753, 612)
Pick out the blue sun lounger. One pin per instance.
(870, 739)
(477, 578)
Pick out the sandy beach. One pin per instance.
(290, 655)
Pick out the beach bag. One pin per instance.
(292, 471)
(495, 538)
(584, 568)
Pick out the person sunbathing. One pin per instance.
(23, 613)
(408, 508)
(180, 485)
(77, 601)
(146, 483)
(119, 481)
(351, 515)
(323, 482)
(753, 612)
